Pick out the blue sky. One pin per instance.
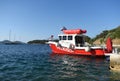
(38, 19)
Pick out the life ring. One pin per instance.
(87, 49)
(72, 46)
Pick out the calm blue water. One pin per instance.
(36, 63)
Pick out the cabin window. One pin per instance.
(64, 37)
(79, 41)
(60, 37)
(69, 37)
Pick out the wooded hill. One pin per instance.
(39, 41)
(114, 34)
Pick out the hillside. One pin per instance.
(39, 41)
(114, 34)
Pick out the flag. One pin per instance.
(64, 28)
(51, 37)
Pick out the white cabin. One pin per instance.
(75, 39)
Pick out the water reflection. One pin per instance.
(65, 65)
(115, 76)
(93, 68)
(82, 59)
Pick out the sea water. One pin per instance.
(37, 63)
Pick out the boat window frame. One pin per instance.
(64, 37)
(60, 37)
(79, 40)
(70, 37)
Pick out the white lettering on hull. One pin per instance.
(65, 49)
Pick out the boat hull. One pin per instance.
(64, 50)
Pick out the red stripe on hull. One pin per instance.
(63, 50)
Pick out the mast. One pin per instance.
(14, 37)
(9, 35)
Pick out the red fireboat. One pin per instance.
(72, 42)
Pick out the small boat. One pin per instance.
(72, 42)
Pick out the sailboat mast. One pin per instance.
(9, 35)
